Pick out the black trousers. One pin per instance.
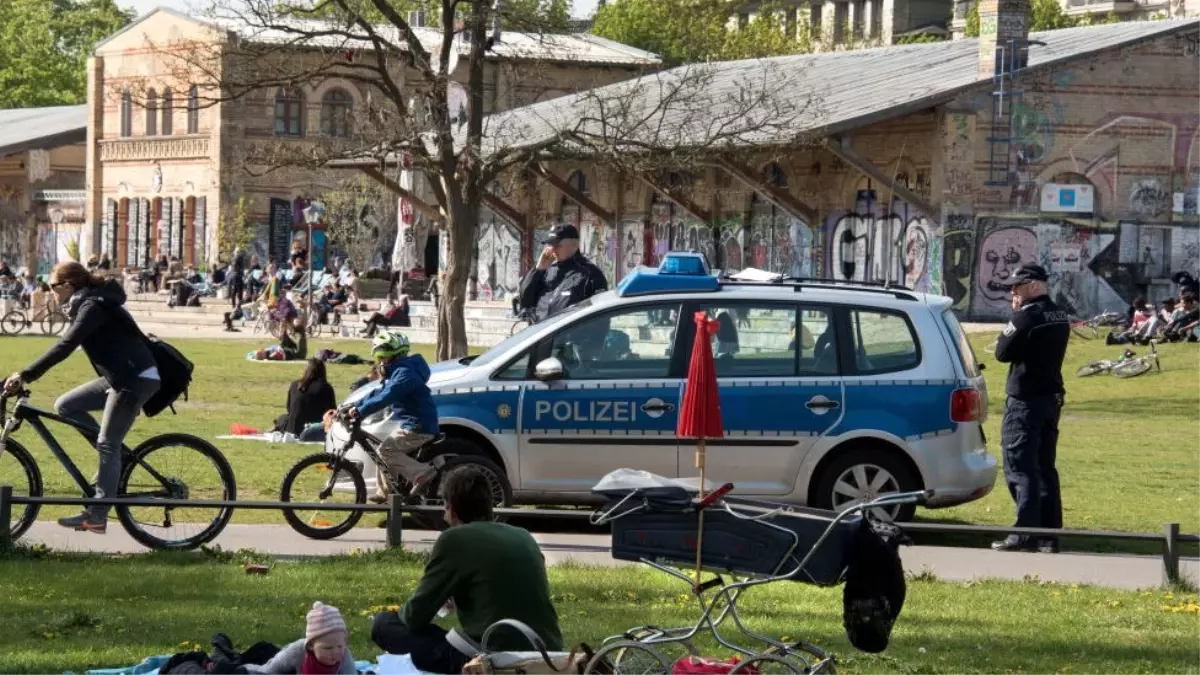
(1029, 437)
(427, 647)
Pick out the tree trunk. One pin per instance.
(451, 325)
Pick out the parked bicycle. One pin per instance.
(50, 319)
(1128, 365)
(1089, 329)
(152, 470)
(336, 474)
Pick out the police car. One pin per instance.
(830, 392)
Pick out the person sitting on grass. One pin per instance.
(322, 650)
(289, 348)
(1140, 315)
(485, 571)
(394, 314)
(307, 400)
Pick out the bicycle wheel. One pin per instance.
(13, 322)
(18, 469)
(314, 479)
(54, 323)
(628, 657)
(497, 481)
(157, 469)
(1131, 368)
(1093, 368)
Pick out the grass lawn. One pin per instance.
(64, 612)
(1127, 456)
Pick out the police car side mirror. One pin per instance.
(549, 370)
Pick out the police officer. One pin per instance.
(563, 276)
(1033, 344)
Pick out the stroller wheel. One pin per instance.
(766, 663)
(629, 657)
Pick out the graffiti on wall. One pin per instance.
(958, 258)
(598, 241)
(897, 245)
(498, 260)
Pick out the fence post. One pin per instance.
(395, 523)
(1170, 553)
(5, 515)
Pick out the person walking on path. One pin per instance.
(563, 276)
(1033, 344)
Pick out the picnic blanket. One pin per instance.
(387, 664)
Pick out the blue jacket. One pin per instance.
(405, 389)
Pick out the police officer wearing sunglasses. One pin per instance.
(1033, 344)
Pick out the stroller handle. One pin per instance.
(918, 497)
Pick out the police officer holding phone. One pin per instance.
(1033, 344)
(563, 276)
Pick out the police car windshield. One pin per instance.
(509, 342)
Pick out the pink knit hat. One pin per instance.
(322, 620)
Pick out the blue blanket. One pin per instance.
(151, 665)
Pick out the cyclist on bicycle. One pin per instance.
(128, 373)
(406, 391)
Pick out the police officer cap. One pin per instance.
(560, 233)
(1025, 274)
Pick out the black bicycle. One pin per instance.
(153, 470)
(336, 476)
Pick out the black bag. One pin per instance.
(174, 369)
(875, 586)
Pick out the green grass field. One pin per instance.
(64, 612)
(1127, 455)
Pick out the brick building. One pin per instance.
(163, 165)
(1091, 167)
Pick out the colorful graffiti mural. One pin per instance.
(895, 245)
(498, 260)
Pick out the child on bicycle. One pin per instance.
(406, 391)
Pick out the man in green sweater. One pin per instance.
(489, 571)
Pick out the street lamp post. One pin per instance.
(56, 218)
(312, 216)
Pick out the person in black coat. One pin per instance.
(120, 356)
(308, 399)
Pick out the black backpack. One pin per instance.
(875, 587)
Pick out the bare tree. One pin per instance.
(662, 120)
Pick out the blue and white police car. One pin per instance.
(830, 392)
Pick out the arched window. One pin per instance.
(126, 113)
(193, 110)
(335, 114)
(168, 109)
(289, 112)
(151, 113)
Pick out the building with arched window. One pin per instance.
(162, 184)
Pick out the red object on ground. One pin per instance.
(700, 414)
(702, 665)
(239, 429)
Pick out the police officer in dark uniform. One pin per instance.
(1033, 344)
(563, 276)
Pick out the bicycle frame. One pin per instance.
(23, 412)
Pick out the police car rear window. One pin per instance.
(883, 342)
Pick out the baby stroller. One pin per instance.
(752, 542)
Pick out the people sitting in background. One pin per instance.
(331, 298)
(394, 313)
(1183, 320)
(485, 571)
(307, 400)
(10, 288)
(1139, 316)
(218, 274)
(191, 276)
(105, 262)
(289, 348)
(272, 286)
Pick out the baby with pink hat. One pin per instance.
(322, 650)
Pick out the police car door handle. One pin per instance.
(657, 407)
(820, 403)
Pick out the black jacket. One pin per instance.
(306, 407)
(1033, 344)
(107, 334)
(562, 285)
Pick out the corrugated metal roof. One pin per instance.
(849, 89)
(25, 128)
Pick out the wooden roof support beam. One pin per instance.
(573, 194)
(779, 197)
(426, 209)
(677, 197)
(840, 147)
(504, 210)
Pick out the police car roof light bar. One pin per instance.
(678, 273)
(800, 283)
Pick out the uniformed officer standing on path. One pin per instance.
(563, 276)
(1033, 344)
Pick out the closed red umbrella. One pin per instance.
(700, 412)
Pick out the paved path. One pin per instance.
(949, 564)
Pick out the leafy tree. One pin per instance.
(44, 46)
(1043, 15)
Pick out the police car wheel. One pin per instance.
(866, 473)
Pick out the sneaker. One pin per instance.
(420, 481)
(378, 498)
(1014, 544)
(85, 522)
